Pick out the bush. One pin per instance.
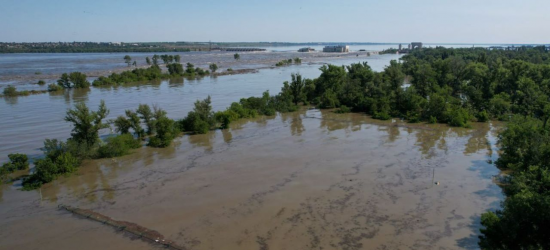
(381, 115)
(47, 170)
(10, 91)
(54, 87)
(432, 120)
(175, 69)
(167, 130)
(459, 117)
(41, 83)
(482, 116)
(343, 109)
(118, 146)
(20, 161)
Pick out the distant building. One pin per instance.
(307, 49)
(336, 48)
(416, 45)
(400, 46)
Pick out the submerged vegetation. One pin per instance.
(17, 162)
(297, 60)
(452, 86)
(11, 91)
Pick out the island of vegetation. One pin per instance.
(453, 86)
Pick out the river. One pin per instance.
(303, 180)
(309, 179)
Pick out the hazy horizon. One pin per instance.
(297, 21)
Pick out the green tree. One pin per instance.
(128, 60)
(146, 115)
(73, 80)
(237, 56)
(155, 60)
(297, 88)
(148, 61)
(177, 58)
(213, 67)
(86, 123)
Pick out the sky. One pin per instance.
(392, 21)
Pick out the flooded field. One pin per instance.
(304, 180)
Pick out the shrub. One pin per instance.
(10, 91)
(118, 146)
(20, 161)
(482, 116)
(54, 87)
(213, 67)
(167, 130)
(381, 115)
(343, 109)
(459, 117)
(47, 170)
(41, 83)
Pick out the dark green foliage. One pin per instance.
(482, 116)
(54, 87)
(17, 162)
(237, 56)
(73, 80)
(148, 60)
(524, 221)
(136, 75)
(343, 109)
(175, 69)
(41, 82)
(86, 123)
(146, 114)
(166, 131)
(122, 125)
(459, 117)
(118, 146)
(11, 91)
(297, 60)
(48, 169)
(213, 67)
(128, 60)
(177, 58)
(201, 119)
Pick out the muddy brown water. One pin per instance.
(304, 180)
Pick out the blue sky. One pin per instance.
(431, 21)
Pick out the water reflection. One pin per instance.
(431, 136)
(204, 140)
(296, 125)
(478, 139)
(176, 82)
(10, 100)
(227, 136)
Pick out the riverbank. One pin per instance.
(300, 180)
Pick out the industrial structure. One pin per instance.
(336, 48)
(307, 49)
(410, 47)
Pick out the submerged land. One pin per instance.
(352, 159)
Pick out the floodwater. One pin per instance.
(23, 69)
(304, 180)
(27, 121)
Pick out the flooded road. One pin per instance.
(304, 180)
(27, 121)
